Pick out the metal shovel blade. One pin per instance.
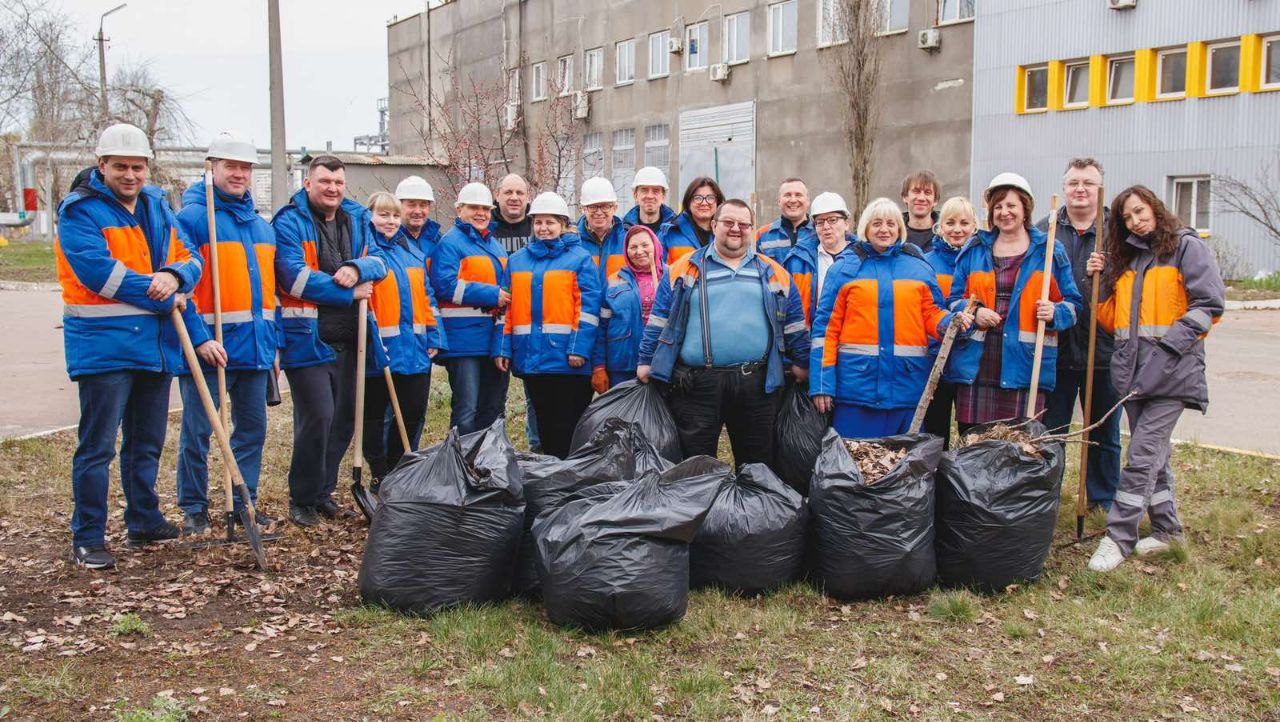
(250, 525)
(367, 502)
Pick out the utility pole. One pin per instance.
(279, 167)
(102, 63)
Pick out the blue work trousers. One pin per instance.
(479, 392)
(247, 391)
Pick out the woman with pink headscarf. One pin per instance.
(625, 310)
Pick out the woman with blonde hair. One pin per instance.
(957, 222)
(878, 310)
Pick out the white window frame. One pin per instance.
(513, 86)
(593, 65)
(539, 81)
(1026, 84)
(655, 142)
(736, 25)
(1194, 181)
(659, 56)
(829, 23)
(625, 49)
(886, 15)
(1270, 47)
(564, 74)
(1112, 62)
(1067, 70)
(623, 176)
(697, 35)
(958, 19)
(593, 145)
(775, 11)
(1208, 68)
(1160, 56)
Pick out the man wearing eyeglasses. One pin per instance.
(722, 321)
(1077, 232)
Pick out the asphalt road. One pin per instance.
(1244, 376)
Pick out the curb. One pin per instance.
(1264, 305)
(28, 286)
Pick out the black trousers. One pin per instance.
(558, 400)
(937, 418)
(381, 445)
(324, 407)
(705, 400)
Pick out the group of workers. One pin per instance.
(722, 312)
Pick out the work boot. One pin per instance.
(303, 516)
(92, 557)
(1107, 557)
(1150, 545)
(266, 524)
(161, 533)
(330, 509)
(196, 522)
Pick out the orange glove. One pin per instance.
(599, 379)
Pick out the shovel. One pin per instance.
(247, 519)
(935, 374)
(1082, 491)
(1032, 390)
(376, 484)
(367, 502)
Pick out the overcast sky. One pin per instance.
(214, 55)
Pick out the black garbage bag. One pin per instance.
(448, 528)
(753, 538)
(619, 451)
(636, 402)
(997, 506)
(797, 437)
(617, 556)
(874, 541)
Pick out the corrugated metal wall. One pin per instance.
(1142, 143)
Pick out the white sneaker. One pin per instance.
(1107, 557)
(1150, 545)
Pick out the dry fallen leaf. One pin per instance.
(940, 676)
(1024, 679)
(859, 663)
(998, 696)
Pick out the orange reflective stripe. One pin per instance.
(233, 273)
(266, 253)
(803, 281)
(861, 314)
(178, 252)
(944, 283)
(835, 325)
(520, 310)
(385, 301)
(1031, 294)
(908, 313)
(613, 264)
(561, 298)
(418, 295)
(1164, 297)
(477, 269)
(311, 255)
(675, 253)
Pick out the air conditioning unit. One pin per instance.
(513, 116)
(720, 72)
(673, 45)
(1122, 4)
(581, 105)
(930, 39)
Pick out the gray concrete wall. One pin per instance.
(1145, 143)
(925, 102)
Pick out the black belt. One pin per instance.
(746, 369)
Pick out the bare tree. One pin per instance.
(556, 144)
(855, 66)
(1257, 199)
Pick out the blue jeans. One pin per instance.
(531, 421)
(1104, 459)
(247, 391)
(860, 422)
(137, 404)
(479, 393)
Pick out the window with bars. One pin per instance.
(659, 58)
(657, 147)
(782, 27)
(625, 54)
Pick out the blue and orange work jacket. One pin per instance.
(402, 304)
(555, 308)
(774, 240)
(106, 257)
(468, 268)
(611, 253)
(802, 264)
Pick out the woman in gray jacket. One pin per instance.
(1163, 292)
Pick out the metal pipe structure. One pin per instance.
(102, 62)
(279, 157)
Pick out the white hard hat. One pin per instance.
(828, 203)
(597, 190)
(228, 147)
(415, 188)
(550, 204)
(123, 139)
(1004, 180)
(650, 176)
(474, 194)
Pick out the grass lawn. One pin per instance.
(179, 633)
(27, 261)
